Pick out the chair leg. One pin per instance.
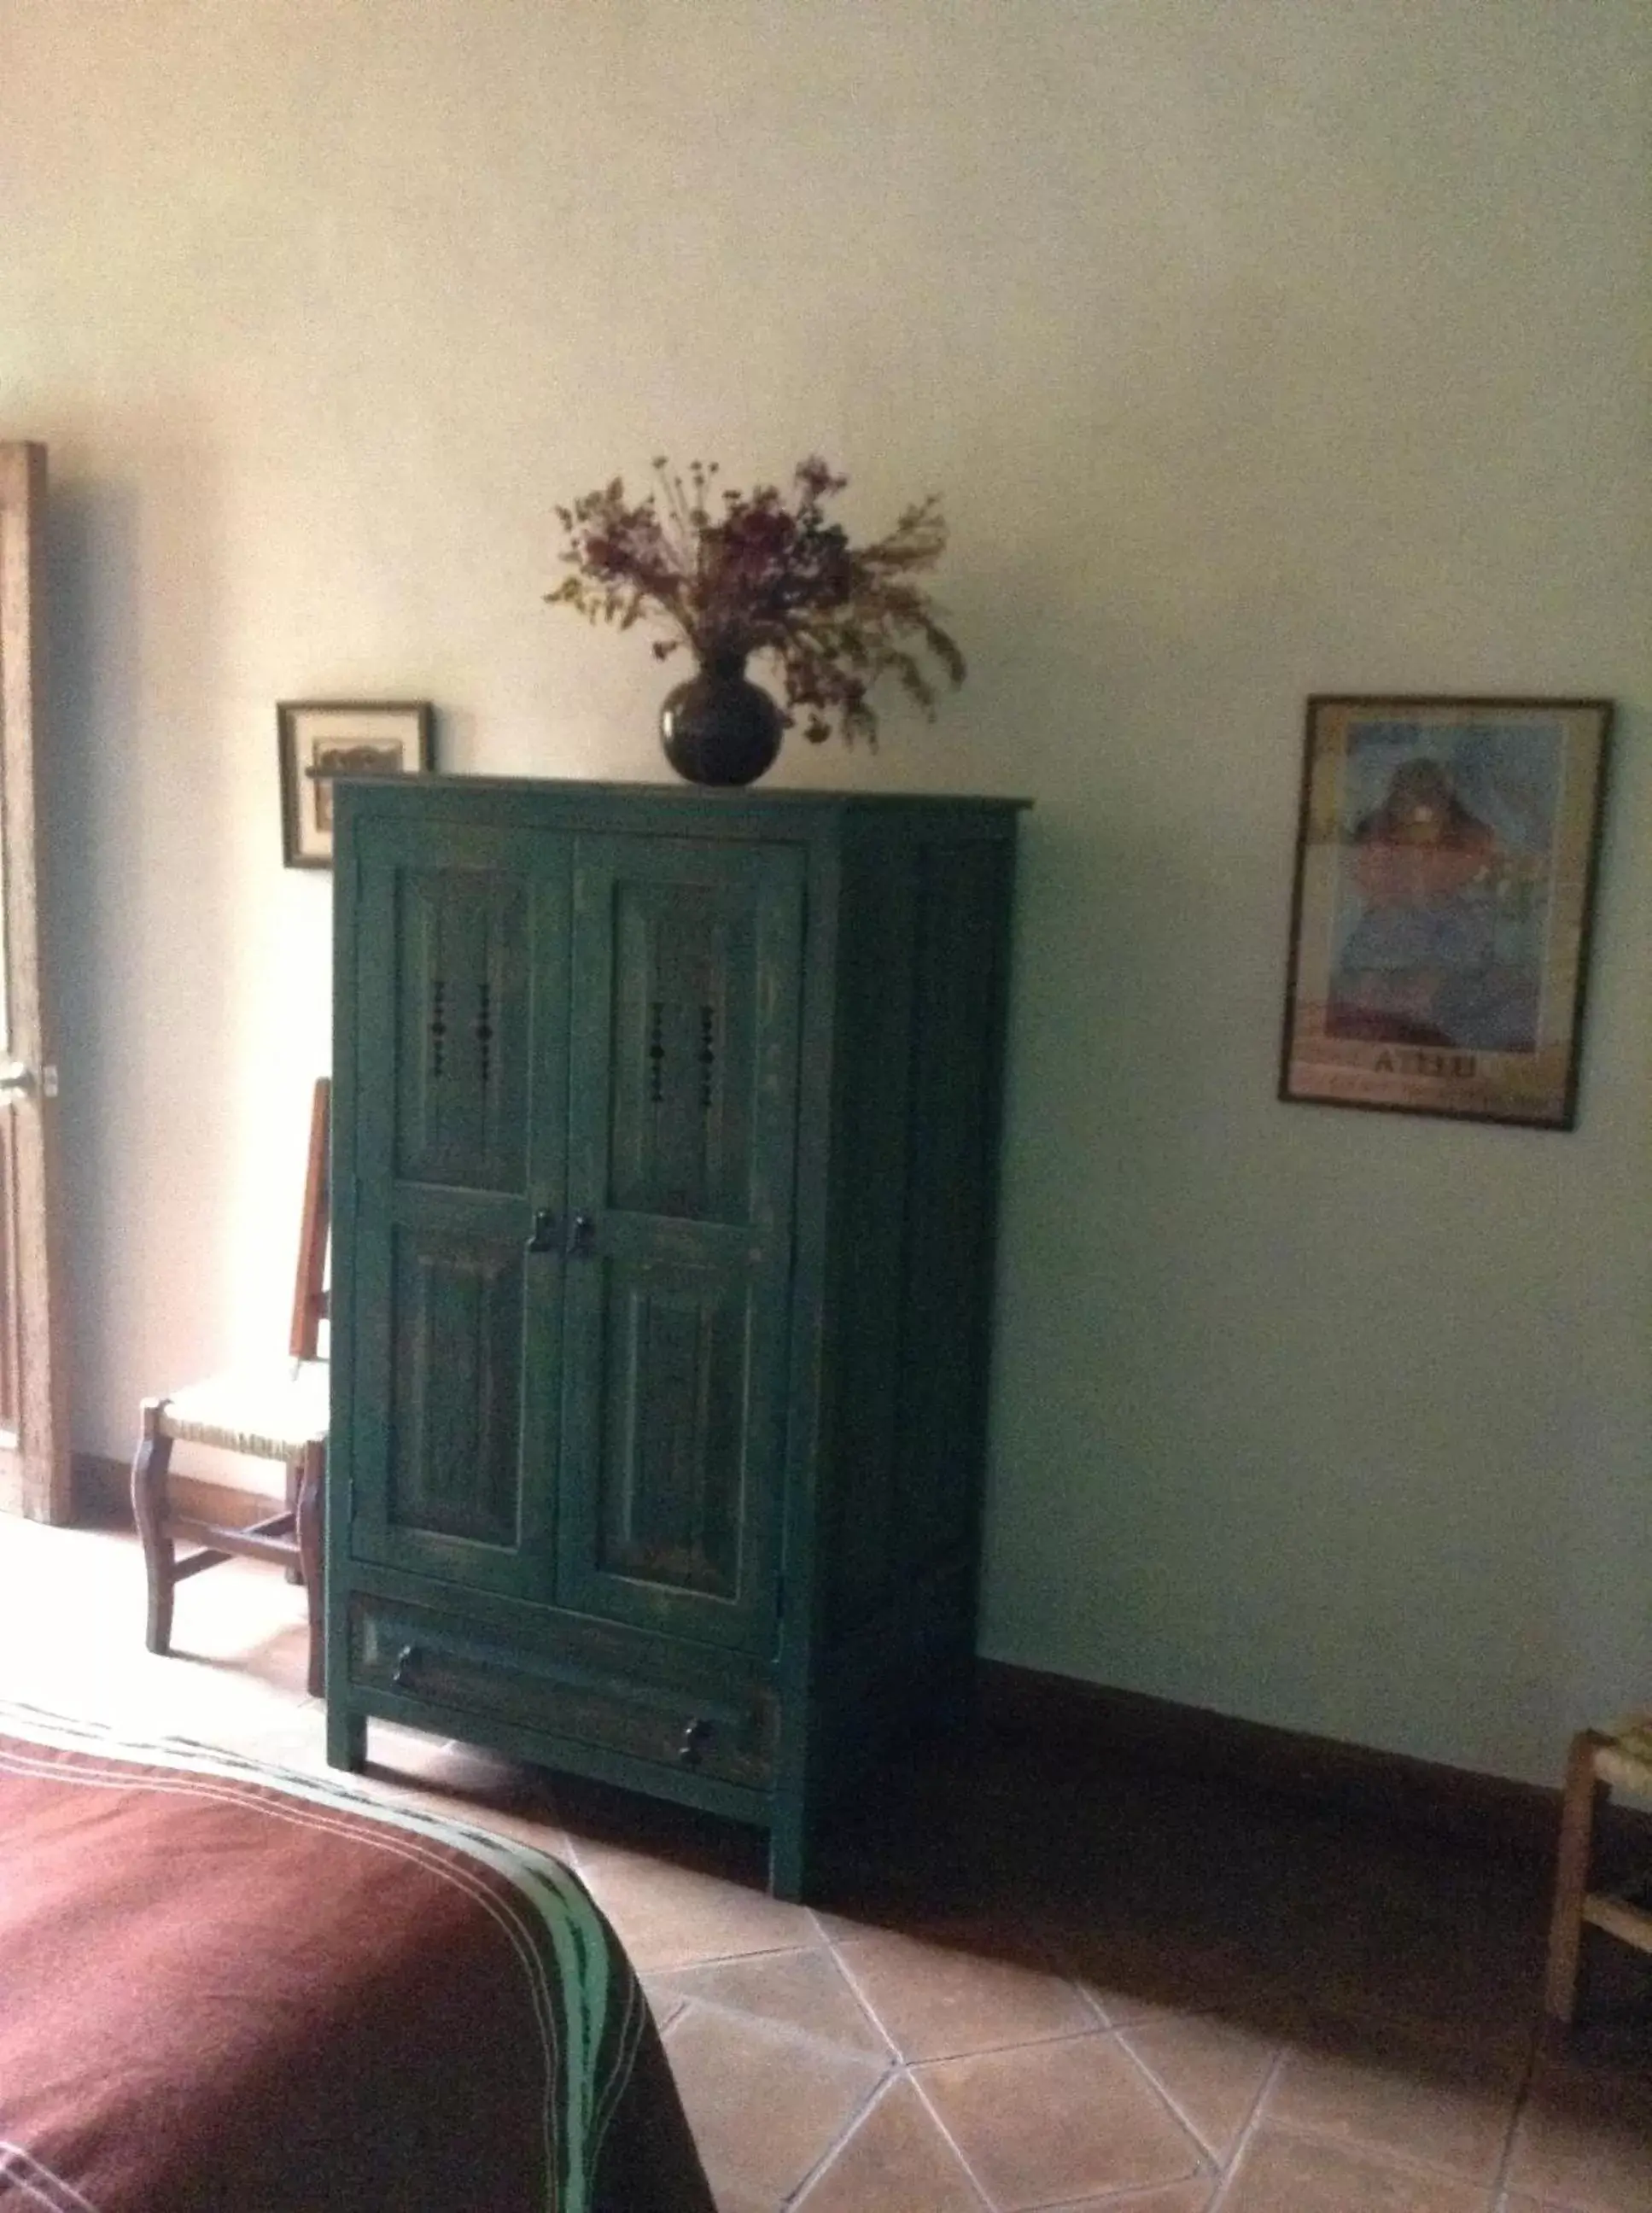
(149, 1513)
(307, 1511)
(1582, 1798)
(295, 1471)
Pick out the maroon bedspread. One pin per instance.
(225, 1989)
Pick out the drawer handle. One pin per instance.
(581, 1237)
(694, 1737)
(406, 1660)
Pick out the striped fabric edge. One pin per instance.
(563, 1943)
(100, 1769)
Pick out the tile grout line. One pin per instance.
(1252, 2123)
(1122, 2037)
(1522, 2092)
(1062, 1944)
(1016, 2044)
(1130, 2193)
(928, 2106)
(973, 2051)
(1404, 2160)
(700, 1960)
(889, 2056)
(863, 2112)
(862, 1999)
(876, 2090)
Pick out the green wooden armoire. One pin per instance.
(665, 1133)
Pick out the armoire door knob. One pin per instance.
(693, 1741)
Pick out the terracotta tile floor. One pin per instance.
(1132, 1994)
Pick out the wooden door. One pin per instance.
(453, 1161)
(685, 962)
(33, 1420)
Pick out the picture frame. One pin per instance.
(318, 738)
(1442, 903)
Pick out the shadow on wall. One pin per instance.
(132, 878)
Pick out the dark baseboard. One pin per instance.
(1078, 1721)
(103, 1496)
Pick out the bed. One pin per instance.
(232, 1989)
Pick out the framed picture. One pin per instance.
(1439, 927)
(320, 738)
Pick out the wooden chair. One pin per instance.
(279, 1414)
(1601, 1761)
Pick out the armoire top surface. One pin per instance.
(771, 799)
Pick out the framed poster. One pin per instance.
(320, 739)
(1439, 932)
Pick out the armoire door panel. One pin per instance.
(454, 1441)
(674, 1416)
(672, 1470)
(683, 952)
(463, 1036)
(454, 1416)
(683, 1052)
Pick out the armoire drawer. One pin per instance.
(587, 1685)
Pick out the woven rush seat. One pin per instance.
(1601, 1762)
(272, 1414)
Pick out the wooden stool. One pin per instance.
(1601, 1761)
(280, 1414)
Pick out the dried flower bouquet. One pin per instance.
(735, 574)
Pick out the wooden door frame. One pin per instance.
(34, 1473)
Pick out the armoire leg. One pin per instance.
(346, 1740)
(788, 1855)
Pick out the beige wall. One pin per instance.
(1257, 346)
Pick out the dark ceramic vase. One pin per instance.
(720, 728)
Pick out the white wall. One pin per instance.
(1257, 346)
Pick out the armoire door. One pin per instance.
(685, 963)
(458, 1237)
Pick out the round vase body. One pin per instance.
(720, 728)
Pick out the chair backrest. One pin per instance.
(310, 1294)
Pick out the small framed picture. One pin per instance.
(1440, 921)
(320, 738)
